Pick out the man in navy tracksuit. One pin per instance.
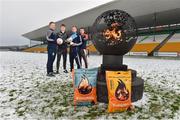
(75, 43)
(51, 48)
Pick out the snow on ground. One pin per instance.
(27, 93)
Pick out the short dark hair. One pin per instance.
(63, 25)
(82, 28)
(74, 26)
(51, 22)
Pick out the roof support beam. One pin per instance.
(156, 49)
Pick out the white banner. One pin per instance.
(170, 54)
(139, 53)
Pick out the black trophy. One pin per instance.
(114, 35)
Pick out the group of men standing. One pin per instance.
(76, 43)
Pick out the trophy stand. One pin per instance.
(114, 63)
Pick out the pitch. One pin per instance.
(27, 93)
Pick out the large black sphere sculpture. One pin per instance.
(114, 34)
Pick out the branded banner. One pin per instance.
(119, 90)
(84, 81)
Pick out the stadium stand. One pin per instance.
(148, 44)
(173, 45)
(37, 48)
(143, 44)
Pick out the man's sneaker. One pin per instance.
(50, 74)
(57, 72)
(53, 72)
(65, 71)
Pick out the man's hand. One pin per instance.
(73, 44)
(69, 40)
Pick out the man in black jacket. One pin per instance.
(51, 48)
(62, 49)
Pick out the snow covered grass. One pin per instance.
(27, 93)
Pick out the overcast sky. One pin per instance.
(21, 16)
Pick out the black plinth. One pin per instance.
(114, 63)
(112, 60)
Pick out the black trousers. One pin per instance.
(83, 55)
(74, 56)
(51, 57)
(61, 52)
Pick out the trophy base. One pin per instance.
(137, 85)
